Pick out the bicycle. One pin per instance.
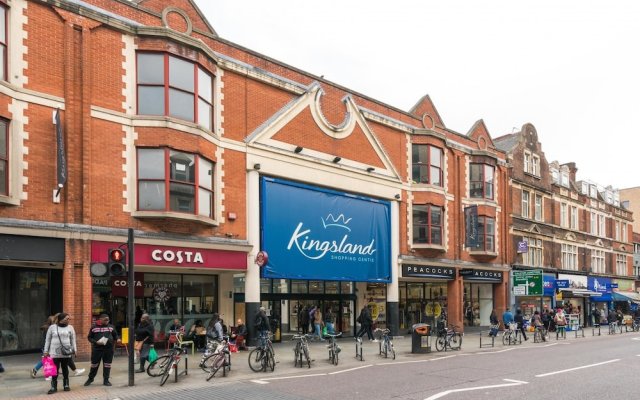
(510, 335)
(359, 348)
(301, 349)
(635, 325)
(220, 358)
(612, 327)
(263, 357)
(333, 347)
(539, 334)
(449, 338)
(386, 345)
(163, 365)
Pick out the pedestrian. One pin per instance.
(261, 325)
(318, 323)
(303, 319)
(103, 337)
(329, 321)
(198, 333)
(365, 321)
(43, 330)
(60, 345)
(239, 334)
(495, 324)
(144, 339)
(312, 319)
(612, 317)
(561, 322)
(596, 317)
(536, 321)
(507, 318)
(546, 319)
(519, 319)
(214, 329)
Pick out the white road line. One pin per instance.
(278, 378)
(550, 344)
(351, 369)
(442, 394)
(576, 368)
(636, 338)
(259, 382)
(417, 361)
(498, 351)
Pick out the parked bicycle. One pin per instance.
(301, 350)
(359, 348)
(164, 365)
(540, 334)
(333, 347)
(263, 358)
(613, 326)
(386, 345)
(635, 325)
(220, 358)
(510, 335)
(448, 337)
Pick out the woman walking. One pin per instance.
(60, 344)
(144, 339)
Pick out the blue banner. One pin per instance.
(548, 282)
(562, 283)
(601, 285)
(313, 233)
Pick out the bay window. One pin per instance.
(427, 164)
(481, 181)
(4, 157)
(171, 180)
(427, 224)
(174, 87)
(486, 234)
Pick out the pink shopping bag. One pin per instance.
(49, 367)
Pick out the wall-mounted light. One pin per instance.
(337, 159)
(298, 149)
(370, 169)
(231, 216)
(256, 167)
(397, 197)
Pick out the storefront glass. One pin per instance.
(478, 304)
(421, 302)
(24, 307)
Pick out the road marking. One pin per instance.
(636, 338)
(550, 344)
(351, 369)
(497, 351)
(417, 361)
(576, 368)
(260, 382)
(512, 383)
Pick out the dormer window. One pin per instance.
(593, 191)
(564, 179)
(531, 164)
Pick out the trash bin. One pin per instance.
(420, 338)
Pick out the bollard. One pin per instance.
(593, 330)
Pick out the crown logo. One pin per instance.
(340, 221)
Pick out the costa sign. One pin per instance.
(178, 257)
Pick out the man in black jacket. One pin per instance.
(102, 337)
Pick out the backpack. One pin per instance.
(257, 324)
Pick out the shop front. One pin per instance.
(170, 282)
(624, 296)
(30, 289)
(573, 296)
(423, 294)
(478, 295)
(324, 248)
(602, 301)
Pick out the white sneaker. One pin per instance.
(48, 378)
(375, 340)
(79, 371)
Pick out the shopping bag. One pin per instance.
(324, 331)
(49, 367)
(153, 355)
(233, 348)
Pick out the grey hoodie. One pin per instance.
(52, 342)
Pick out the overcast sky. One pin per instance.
(572, 68)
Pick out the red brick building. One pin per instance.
(183, 136)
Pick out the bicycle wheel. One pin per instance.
(271, 359)
(255, 359)
(440, 343)
(207, 363)
(336, 351)
(391, 350)
(383, 349)
(297, 355)
(506, 338)
(166, 373)
(455, 342)
(157, 367)
(218, 361)
(305, 350)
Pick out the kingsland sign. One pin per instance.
(313, 233)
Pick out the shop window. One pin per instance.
(331, 287)
(299, 287)
(265, 285)
(171, 86)
(239, 283)
(280, 286)
(188, 178)
(481, 181)
(427, 164)
(346, 287)
(316, 287)
(427, 224)
(486, 234)
(4, 155)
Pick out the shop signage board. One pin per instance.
(428, 271)
(316, 233)
(527, 282)
(487, 275)
(562, 283)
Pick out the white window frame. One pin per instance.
(534, 256)
(574, 218)
(616, 230)
(602, 232)
(593, 226)
(564, 215)
(625, 229)
(598, 263)
(538, 208)
(526, 197)
(527, 162)
(621, 265)
(569, 257)
(535, 165)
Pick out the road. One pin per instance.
(589, 368)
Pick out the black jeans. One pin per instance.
(365, 328)
(64, 363)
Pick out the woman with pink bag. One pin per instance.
(60, 345)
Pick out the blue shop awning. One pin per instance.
(626, 296)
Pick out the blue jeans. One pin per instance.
(263, 338)
(318, 330)
(330, 328)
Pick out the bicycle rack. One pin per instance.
(581, 330)
(482, 336)
(593, 330)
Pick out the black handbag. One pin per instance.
(63, 349)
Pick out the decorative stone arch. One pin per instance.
(570, 236)
(187, 20)
(340, 131)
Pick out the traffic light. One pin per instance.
(117, 261)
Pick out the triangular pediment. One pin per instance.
(426, 110)
(480, 134)
(534, 229)
(301, 130)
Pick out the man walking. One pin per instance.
(261, 324)
(102, 337)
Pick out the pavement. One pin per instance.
(16, 383)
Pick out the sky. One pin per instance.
(571, 68)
